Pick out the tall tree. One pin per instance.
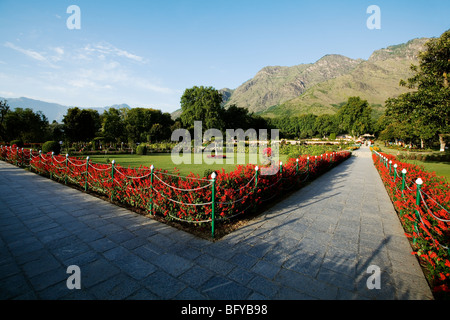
(355, 117)
(141, 125)
(326, 124)
(202, 104)
(427, 109)
(307, 125)
(113, 125)
(4, 108)
(26, 125)
(81, 124)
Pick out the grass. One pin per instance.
(164, 161)
(442, 169)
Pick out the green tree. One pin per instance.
(81, 124)
(113, 125)
(235, 117)
(4, 109)
(56, 131)
(326, 124)
(202, 104)
(26, 125)
(354, 117)
(307, 126)
(427, 109)
(146, 125)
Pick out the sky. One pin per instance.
(146, 53)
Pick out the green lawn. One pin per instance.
(442, 169)
(164, 161)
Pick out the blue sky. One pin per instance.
(146, 53)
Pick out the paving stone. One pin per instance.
(214, 264)
(265, 269)
(116, 288)
(13, 286)
(172, 264)
(220, 288)
(96, 272)
(264, 286)
(163, 285)
(196, 276)
(135, 267)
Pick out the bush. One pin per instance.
(141, 149)
(17, 142)
(332, 136)
(51, 146)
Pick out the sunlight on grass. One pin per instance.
(164, 161)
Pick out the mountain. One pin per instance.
(52, 111)
(274, 85)
(323, 86)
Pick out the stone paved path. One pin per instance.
(317, 244)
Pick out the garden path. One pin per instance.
(322, 242)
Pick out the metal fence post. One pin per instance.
(31, 159)
(403, 180)
(213, 183)
(256, 176)
(51, 165)
(87, 172)
(307, 164)
(152, 167)
(419, 185)
(67, 169)
(395, 172)
(112, 179)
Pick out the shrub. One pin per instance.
(141, 149)
(50, 146)
(17, 142)
(332, 136)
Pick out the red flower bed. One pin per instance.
(426, 224)
(181, 198)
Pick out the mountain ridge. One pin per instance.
(53, 111)
(329, 81)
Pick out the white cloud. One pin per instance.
(59, 50)
(30, 53)
(108, 49)
(33, 54)
(59, 54)
(95, 73)
(7, 94)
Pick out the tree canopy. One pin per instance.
(354, 117)
(423, 114)
(202, 104)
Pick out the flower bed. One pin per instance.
(187, 199)
(424, 212)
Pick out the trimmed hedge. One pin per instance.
(51, 146)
